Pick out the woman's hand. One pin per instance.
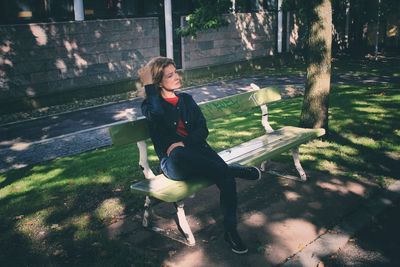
(174, 145)
(145, 75)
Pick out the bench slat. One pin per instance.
(238, 103)
(134, 131)
(256, 150)
(168, 190)
(268, 146)
(129, 132)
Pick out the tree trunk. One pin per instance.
(314, 112)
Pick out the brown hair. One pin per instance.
(157, 65)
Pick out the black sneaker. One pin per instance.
(236, 243)
(243, 172)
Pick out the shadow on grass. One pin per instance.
(54, 214)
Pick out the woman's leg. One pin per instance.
(186, 163)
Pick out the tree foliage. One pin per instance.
(208, 14)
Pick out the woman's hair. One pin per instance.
(157, 65)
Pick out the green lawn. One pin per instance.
(54, 213)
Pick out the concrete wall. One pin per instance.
(248, 36)
(47, 64)
(49, 59)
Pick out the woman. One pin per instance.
(178, 130)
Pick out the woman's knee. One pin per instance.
(177, 153)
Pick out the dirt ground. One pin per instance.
(278, 219)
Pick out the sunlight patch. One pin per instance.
(361, 140)
(189, 257)
(291, 196)
(34, 226)
(128, 114)
(290, 235)
(332, 167)
(255, 219)
(353, 187)
(33, 181)
(20, 146)
(370, 109)
(81, 224)
(318, 144)
(332, 187)
(109, 209)
(395, 155)
(39, 33)
(356, 188)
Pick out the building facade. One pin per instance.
(55, 51)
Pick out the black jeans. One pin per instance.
(190, 162)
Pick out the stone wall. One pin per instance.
(49, 59)
(248, 36)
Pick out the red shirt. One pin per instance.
(181, 126)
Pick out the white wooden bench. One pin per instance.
(256, 151)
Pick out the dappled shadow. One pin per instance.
(256, 34)
(247, 36)
(364, 120)
(73, 199)
(371, 246)
(278, 218)
(53, 214)
(56, 59)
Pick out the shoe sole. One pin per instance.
(240, 252)
(237, 251)
(259, 174)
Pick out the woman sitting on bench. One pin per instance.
(178, 130)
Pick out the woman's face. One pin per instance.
(171, 80)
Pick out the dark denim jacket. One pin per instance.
(163, 120)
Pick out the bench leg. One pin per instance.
(299, 168)
(183, 223)
(143, 163)
(264, 165)
(147, 209)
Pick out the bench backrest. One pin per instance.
(134, 131)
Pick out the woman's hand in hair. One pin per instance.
(145, 75)
(173, 146)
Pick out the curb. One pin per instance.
(331, 241)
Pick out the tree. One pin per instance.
(314, 113)
(316, 16)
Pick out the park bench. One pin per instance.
(256, 151)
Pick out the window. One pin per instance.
(60, 10)
(21, 11)
(271, 5)
(25, 11)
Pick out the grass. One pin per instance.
(54, 213)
